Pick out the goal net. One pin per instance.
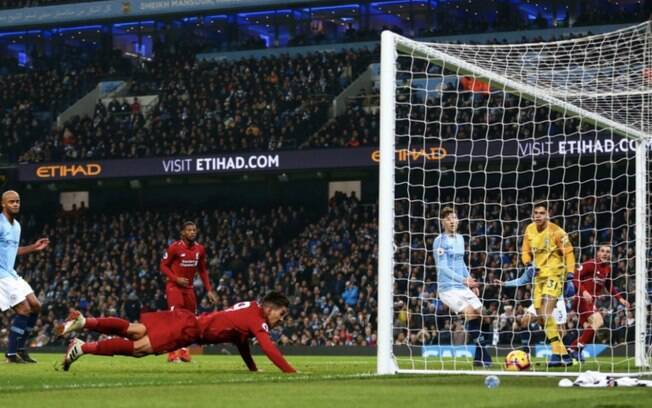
(489, 130)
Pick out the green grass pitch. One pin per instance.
(221, 381)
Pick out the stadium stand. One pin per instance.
(325, 262)
(203, 108)
(208, 107)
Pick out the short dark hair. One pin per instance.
(604, 243)
(541, 203)
(445, 212)
(188, 224)
(276, 299)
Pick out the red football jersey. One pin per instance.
(181, 260)
(593, 276)
(237, 325)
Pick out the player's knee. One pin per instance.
(597, 321)
(136, 331)
(140, 350)
(472, 314)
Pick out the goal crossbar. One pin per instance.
(509, 85)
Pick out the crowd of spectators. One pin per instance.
(107, 264)
(494, 227)
(446, 19)
(209, 107)
(31, 99)
(358, 126)
(262, 104)
(247, 105)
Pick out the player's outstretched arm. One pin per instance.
(609, 285)
(245, 353)
(272, 352)
(525, 278)
(39, 245)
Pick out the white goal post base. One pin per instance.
(520, 373)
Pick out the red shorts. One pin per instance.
(180, 298)
(584, 310)
(169, 331)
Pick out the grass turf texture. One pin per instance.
(222, 381)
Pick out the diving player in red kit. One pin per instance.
(161, 332)
(244, 321)
(181, 261)
(592, 278)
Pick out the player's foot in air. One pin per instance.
(24, 355)
(13, 359)
(74, 322)
(173, 357)
(184, 355)
(73, 353)
(557, 360)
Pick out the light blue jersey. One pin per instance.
(526, 278)
(9, 241)
(448, 252)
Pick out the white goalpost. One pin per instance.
(489, 130)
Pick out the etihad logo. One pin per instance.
(72, 170)
(403, 155)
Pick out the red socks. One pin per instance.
(108, 325)
(585, 338)
(110, 347)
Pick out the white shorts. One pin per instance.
(558, 313)
(13, 291)
(458, 299)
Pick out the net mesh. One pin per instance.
(490, 146)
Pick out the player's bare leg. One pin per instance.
(595, 322)
(560, 355)
(143, 347)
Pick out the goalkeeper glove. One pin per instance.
(530, 270)
(569, 287)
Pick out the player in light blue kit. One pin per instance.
(455, 286)
(14, 291)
